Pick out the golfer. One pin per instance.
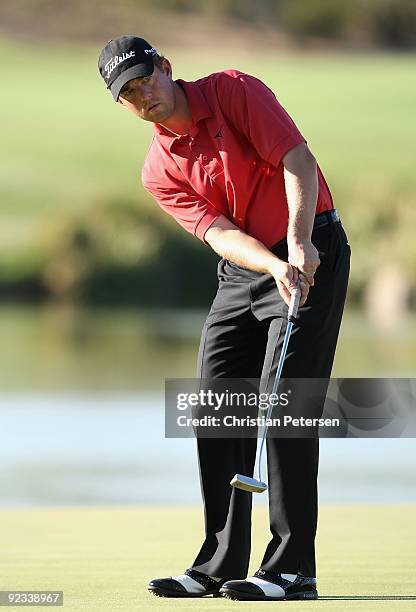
(228, 163)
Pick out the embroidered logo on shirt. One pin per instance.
(218, 134)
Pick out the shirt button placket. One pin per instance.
(191, 148)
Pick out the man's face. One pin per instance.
(151, 98)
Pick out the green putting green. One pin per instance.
(102, 558)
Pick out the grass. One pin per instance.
(65, 143)
(67, 147)
(102, 558)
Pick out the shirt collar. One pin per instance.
(199, 110)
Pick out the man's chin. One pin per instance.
(155, 117)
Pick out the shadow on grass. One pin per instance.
(365, 597)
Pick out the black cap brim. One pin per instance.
(136, 71)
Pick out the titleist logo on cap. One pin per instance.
(116, 60)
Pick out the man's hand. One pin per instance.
(304, 256)
(232, 243)
(287, 280)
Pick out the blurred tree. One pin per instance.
(246, 10)
(387, 23)
(393, 22)
(115, 253)
(321, 18)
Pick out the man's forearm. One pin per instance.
(232, 243)
(301, 184)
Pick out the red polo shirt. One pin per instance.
(230, 163)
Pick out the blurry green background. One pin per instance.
(96, 306)
(76, 224)
(89, 264)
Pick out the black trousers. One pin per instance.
(242, 338)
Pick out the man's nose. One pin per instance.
(145, 91)
(146, 95)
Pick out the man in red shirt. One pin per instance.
(230, 166)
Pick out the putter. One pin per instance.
(245, 482)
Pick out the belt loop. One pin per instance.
(327, 214)
(331, 215)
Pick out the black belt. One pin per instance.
(328, 216)
(323, 218)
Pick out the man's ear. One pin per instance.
(167, 67)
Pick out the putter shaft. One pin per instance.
(245, 482)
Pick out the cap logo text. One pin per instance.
(115, 61)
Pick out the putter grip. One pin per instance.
(294, 304)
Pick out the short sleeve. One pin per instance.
(193, 213)
(253, 110)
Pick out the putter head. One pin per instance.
(248, 484)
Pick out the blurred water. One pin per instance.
(48, 348)
(109, 448)
(81, 409)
